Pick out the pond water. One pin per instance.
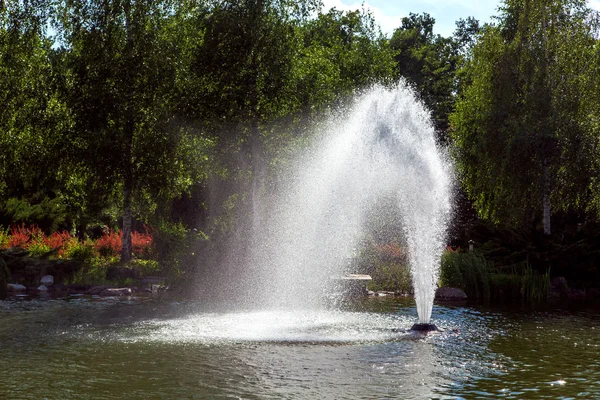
(146, 349)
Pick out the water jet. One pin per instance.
(380, 154)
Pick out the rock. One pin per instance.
(450, 293)
(77, 289)
(592, 294)
(57, 288)
(16, 287)
(116, 292)
(153, 280)
(577, 295)
(559, 288)
(47, 280)
(96, 290)
(42, 288)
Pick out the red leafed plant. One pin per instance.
(109, 244)
(60, 241)
(21, 235)
(141, 243)
(391, 250)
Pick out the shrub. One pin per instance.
(109, 244)
(520, 281)
(4, 238)
(146, 267)
(60, 241)
(391, 276)
(38, 249)
(141, 244)
(467, 271)
(480, 279)
(21, 235)
(175, 246)
(79, 251)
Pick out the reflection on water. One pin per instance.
(105, 350)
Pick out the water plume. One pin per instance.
(313, 221)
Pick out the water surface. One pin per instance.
(90, 349)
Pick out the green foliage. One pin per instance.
(482, 280)
(522, 142)
(38, 249)
(93, 273)
(520, 282)
(146, 267)
(4, 237)
(83, 251)
(391, 276)
(467, 271)
(429, 62)
(175, 247)
(49, 214)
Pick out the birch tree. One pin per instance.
(519, 124)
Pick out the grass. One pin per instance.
(480, 279)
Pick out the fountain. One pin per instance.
(314, 216)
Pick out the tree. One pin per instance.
(122, 69)
(519, 124)
(342, 52)
(429, 62)
(33, 118)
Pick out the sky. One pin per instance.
(389, 13)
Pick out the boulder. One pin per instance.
(16, 287)
(47, 280)
(42, 288)
(96, 290)
(450, 293)
(116, 292)
(592, 294)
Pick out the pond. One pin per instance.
(87, 348)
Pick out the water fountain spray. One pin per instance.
(312, 223)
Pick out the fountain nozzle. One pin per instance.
(424, 327)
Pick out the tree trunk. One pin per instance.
(128, 131)
(255, 143)
(546, 200)
(126, 248)
(257, 176)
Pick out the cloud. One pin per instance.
(594, 4)
(388, 22)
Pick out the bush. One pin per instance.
(467, 271)
(4, 238)
(391, 276)
(480, 279)
(38, 249)
(49, 213)
(142, 244)
(60, 241)
(79, 251)
(21, 235)
(175, 246)
(109, 244)
(520, 281)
